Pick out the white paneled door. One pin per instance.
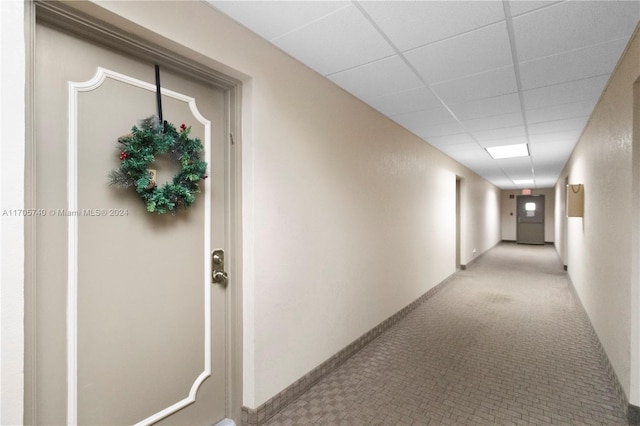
(128, 327)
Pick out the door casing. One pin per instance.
(196, 67)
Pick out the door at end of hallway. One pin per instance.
(530, 225)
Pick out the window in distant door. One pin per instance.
(531, 209)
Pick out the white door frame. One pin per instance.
(90, 27)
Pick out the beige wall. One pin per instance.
(480, 216)
(509, 213)
(597, 248)
(347, 217)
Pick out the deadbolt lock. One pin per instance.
(218, 274)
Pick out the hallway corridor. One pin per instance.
(504, 342)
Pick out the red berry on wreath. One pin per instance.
(183, 127)
(123, 155)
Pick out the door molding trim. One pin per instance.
(75, 88)
(88, 24)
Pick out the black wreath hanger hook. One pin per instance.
(163, 124)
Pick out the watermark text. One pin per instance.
(64, 212)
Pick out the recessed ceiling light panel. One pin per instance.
(508, 151)
(523, 182)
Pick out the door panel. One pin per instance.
(128, 325)
(530, 219)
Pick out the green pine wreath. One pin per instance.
(140, 148)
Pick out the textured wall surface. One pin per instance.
(598, 246)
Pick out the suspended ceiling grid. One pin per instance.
(462, 75)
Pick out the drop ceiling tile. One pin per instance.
(548, 149)
(520, 166)
(410, 24)
(497, 137)
(474, 52)
(423, 119)
(522, 7)
(543, 165)
(497, 82)
(560, 112)
(403, 102)
(271, 19)
(548, 174)
(558, 126)
(462, 138)
(550, 153)
(564, 93)
(517, 162)
(441, 130)
(497, 105)
(550, 167)
(494, 122)
(570, 136)
(573, 24)
(383, 77)
(575, 65)
(457, 147)
(553, 168)
(339, 41)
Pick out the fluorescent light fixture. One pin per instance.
(523, 182)
(508, 151)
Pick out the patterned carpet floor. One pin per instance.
(504, 342)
